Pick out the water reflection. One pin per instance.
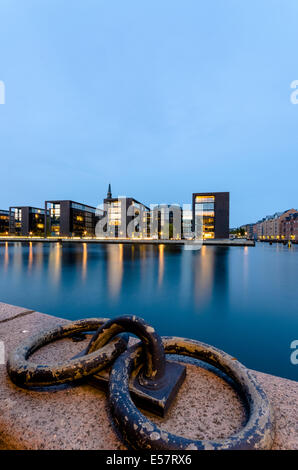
(221, 278)
(38, 249)
(218, 295)
(55, 259)
(18, 257)
(30, 256)
(115, 269)
(6, 256)
(84, 261)
(245, 268)
(161, 264)
(211, 278)
(203, 272)
(196, 275)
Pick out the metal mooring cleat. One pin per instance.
(25, 373)
(142, 375)
(156, 381)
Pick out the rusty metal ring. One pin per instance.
(29, 374)
(141, 433)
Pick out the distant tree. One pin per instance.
(239, 232)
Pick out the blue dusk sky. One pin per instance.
(160, 98)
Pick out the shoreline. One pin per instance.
(143, 241)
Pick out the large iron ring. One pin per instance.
(141, 433)
(29, 374)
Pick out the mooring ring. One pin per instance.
(29, 374)
(141, 433)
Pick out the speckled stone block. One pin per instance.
(8, 312)
(77, 417)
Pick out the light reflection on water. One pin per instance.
(243, 300)
(115, 269)
(161, 264)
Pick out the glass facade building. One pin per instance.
(26, 220)
(205, 216)
(211, 215)
(125, 218)
(122, 217)
(4, 222)
(166, 222)
(71, 219)
(187, 232)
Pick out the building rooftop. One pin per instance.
(27, 207)
(58, 201)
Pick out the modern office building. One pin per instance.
(166, 221)
(211, 213)
(125, 217)
(26, 220)
(145, 224)
(70, 219)
(4, 222)
(187, 225)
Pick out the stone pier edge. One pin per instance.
(78, 418)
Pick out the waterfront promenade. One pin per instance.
(77, 417)
(131, 241)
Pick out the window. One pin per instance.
(205, 216)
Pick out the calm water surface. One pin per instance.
(242, 300)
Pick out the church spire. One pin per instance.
(109, 193)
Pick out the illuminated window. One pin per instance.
(205, 216)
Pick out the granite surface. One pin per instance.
(77, 417)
